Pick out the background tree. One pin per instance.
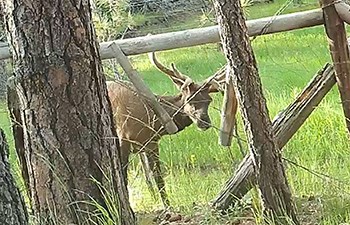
(272, 181)
(3, 72)
(8, 92)
(69, 137)
(13, 210)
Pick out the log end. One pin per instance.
(171, 127)
(225, 139)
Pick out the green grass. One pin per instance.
(5, 125)
(265, 10)
(196, 167)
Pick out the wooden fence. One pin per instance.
(200, 36)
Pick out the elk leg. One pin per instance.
(154, 163)
(148, 173)
(124, 154)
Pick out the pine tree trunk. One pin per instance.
(272, 182)
(65, 111)
(12, 206)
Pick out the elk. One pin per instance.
(138, 128)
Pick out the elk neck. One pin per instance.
(172, 105)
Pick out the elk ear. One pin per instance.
(188, 85)
(216, 82)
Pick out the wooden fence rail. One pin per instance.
(200, 36)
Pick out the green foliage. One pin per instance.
(208, 15)
(112, 19)
(109, 212)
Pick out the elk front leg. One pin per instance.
(154, 163)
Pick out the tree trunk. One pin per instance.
(3, 74)
(12, 206)
(69, 138)
(17, 131)
(272, 182)
(10, 95)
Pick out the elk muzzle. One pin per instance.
(203, 122)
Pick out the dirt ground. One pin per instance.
(309, 213)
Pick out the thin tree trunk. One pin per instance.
(273, 185)
(3, 72)
(17, 130)
(12, 207)
(68, 131)
(13, 210)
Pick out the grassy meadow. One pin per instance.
(196, 167)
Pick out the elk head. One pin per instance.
(195, 97)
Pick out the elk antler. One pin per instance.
(216, 82)
(174, 73)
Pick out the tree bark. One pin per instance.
(3, 74)
(272, 182)
(68, 130)
(338, 46)
(12, 207)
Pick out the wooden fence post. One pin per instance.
(338, 45)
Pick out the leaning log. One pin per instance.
(144, 91)
(285, 126)
(200, 36)
(338, 45)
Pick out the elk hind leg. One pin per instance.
(148, 173)
(154, 163)
(124, 153)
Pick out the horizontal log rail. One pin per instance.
(200, 36)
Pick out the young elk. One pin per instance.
(138, 128)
